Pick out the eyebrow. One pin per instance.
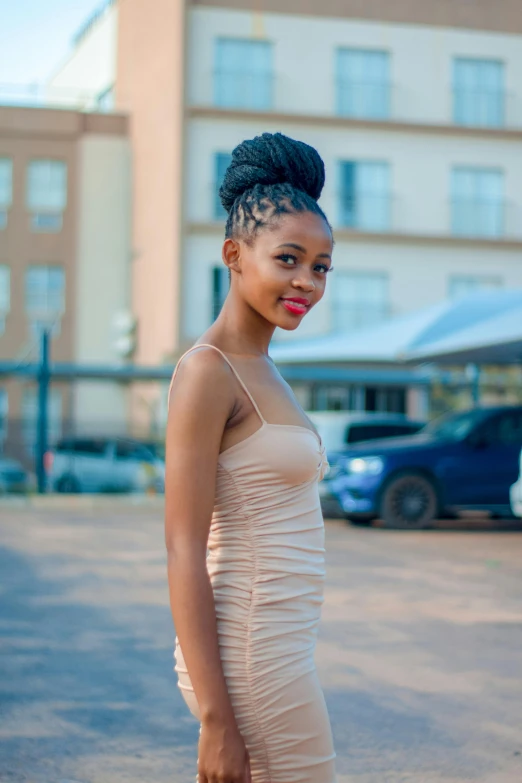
(303, 249)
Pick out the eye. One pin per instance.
(284, 257)
(323, 269)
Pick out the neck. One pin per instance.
(241, 330)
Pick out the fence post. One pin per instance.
(43, 396)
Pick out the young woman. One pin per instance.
(242, 467)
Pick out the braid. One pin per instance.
(270, 176)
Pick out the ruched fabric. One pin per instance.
(266, 562)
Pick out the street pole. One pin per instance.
(43, 397)
(473, 375)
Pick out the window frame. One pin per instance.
(343, 83)
(260, 94)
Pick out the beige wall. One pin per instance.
(501, 15)
(150, 88)
(103, 268)
(96, 153)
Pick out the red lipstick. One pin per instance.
(295, 304)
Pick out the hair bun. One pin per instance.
(272, 159)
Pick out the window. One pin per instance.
(359, 432)
(363, 83)
(46, 194)
(134, 451)
(365, 195)
(359, 299)
(6, 189)
(45, 297)
(220, 286)
(30, 417)
(505, 430)
(478, 92)
(477, 205)
(4, 408)
(243, 74)
(221, 163)
(86, 447)
(462, 285)
(5, 294)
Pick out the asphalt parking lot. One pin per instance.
(420, 651)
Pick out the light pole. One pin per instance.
(43, 399)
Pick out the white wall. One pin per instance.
(103, 266)
(420, 163)
(91, 67)
(304, 60)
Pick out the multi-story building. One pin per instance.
(415, 108)
(64, 260)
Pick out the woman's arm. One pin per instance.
(202, 399)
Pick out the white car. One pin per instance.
(100, 464)
(515, 493)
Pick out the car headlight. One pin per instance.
(372, 466)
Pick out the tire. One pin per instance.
(359, 520)
(68, 485)
(409, 502)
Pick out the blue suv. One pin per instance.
(464, 460)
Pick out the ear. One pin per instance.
(231, 255)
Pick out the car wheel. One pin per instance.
(359, 520)
(68, 485)
(409, 502)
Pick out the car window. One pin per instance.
(90, 447)
(406, 429)
(505, 429)
(129, 450)
(65, 445)
(359, 432)
(455, 426)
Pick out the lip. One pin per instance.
(295, 304)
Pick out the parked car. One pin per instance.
(465, 460)
(515, 492)
(101, 464)
(14, 477)
(340, 431)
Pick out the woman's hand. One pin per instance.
(223, 757)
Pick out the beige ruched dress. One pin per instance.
(266, 562)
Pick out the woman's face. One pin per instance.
(282, 275)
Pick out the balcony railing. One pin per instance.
(479, 108)
(42, 96)
(367, 212)
(348, 315)
(474, 217)
(240, 90)
(363, 99)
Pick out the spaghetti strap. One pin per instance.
(225, 357)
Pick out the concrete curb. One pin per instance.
(90, 501)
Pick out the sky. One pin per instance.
(35, 36)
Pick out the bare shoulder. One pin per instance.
(203, 375)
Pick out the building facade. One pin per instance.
(415, 108)
(64, 259)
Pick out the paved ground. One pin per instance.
(420, 652)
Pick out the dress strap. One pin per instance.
(225, 357)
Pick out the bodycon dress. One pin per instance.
(266, 563)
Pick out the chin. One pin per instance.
(290, 327)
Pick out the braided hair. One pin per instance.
(269, 176)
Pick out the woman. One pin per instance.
(242, 466)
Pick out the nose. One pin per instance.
(304, 281)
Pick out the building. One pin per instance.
(64, 260)
(416, 109)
